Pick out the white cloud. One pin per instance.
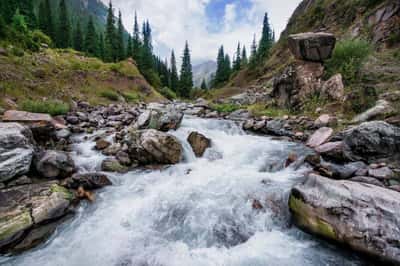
(175, 21)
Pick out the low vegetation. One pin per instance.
(225, 107)
(110, 95)
(348, 59)
(47, 107)
(263, 110)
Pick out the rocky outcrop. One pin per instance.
(159, 120)
(333, 89)
(381, 109)
(54, 164)
(16, 150)
(25, 208)
(364, 217)
(310, 46)
(153, 147)
(297, 83)
(372, 141)
(199, 143)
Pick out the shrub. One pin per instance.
(359, 99)
(131, 96)
(225, 107)
(110, 95)
(263, 110)
(16, 51)
(46, 107)
(168, 93)
(348, 59)
(40, 38)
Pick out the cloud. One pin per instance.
(175, 21)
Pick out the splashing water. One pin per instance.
(196, 213)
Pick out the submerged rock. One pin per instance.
(153, 147)
(16, 150)
(364, 217)
(199, 143)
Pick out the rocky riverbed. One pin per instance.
(342, 186)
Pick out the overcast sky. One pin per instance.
(206, 24)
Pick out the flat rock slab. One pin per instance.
(320, 137)
(310, 46)
(365, 217)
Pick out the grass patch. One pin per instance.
(225, 107)
(131, 97)
(348, 59)
(110, 95)
(46, 107)
(168, 93)
(262, 110)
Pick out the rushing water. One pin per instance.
(198, 212)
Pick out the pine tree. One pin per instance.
(26, 9)
(244, 57)
(219, 74)
(267, 39)
(18, 23)
(136, 45)
(237, 59)
(227, 68)
(8, 8)
(186, 78)
(174, 79)
(253, 55)
(129, 47)
(91, 41)
(63, 30)
(101, 51)
(110, 48)
(204, 85)
(120, 39)
(46, 19)
(147, 49)
(78, 37)
(2, 26)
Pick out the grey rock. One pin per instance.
(199, 143)
(320, 137)
(311, 46)
(88, 181)
(333, 89)
(381, 173)
(381, 108)
(54, 164)
(367, 180)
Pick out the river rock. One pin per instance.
(23, 207)
(88, 181)
(325, 120)
(159, 120)
(373, 141)
(362, 216)
(102, 144)
(54, 164)
(311, 46)
(199, 143)
(381, 108)
(332, 150)
(381, 173)
(113, 165)
(367, 180)
(16, 150)
(333, 89)
(339, 171)
(319, 137)
(153, 147)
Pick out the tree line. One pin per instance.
(227, 67)
(112, 44)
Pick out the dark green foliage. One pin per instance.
(146, 63)
(110, 47)
(225, 107)
(348, 59)
(168, 93)
(136, 43)
(120, 39)
(129, 47)
(186, 77)
(26, 9)
(244, 57)
(223, 68)
(204, 85)
(63, 30)
(253, 55)
(46, 24)
(174, 79)
(101, 52)
(359, 99)
(8, 8)
(267, 40)
(19, 23)
(47, 107)
(237, 62)
(40, 38)
(78, 37)
(163, 72)
(110, 95)
(3, 27)
(92, 43)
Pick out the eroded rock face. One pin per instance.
(54, 164)
(362, 216)
(26, 207)
(199, 143)
(310, 46)
(153, 147)
(373, 141)
(16, 150)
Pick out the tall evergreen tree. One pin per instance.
(238, 59)
(219, 74)
(227, 68)
(101, 51)
(8, 8)
(136, 41)
(174, 79)
(2, 26)
(147, 48)
(253, 55)
(46, 23)
(120, 39)
(63, 30)
(27, 10)
(186, 78)
(92, 43)
(129, 47)
(203, 85)
(19, 23)
(244, 56)
(267, 39)
(110, 48)
(78, 37)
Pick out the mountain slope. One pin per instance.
(203, 71)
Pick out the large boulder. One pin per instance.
(310, 46)
(160, 120)
(372, 141)
(333, 89)
(88, 181)
(54, 164)
(153, 147)
(381, 109)
(199, 143)
(362, 216)
(26, 207)
(16, 150)
(320, 137)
